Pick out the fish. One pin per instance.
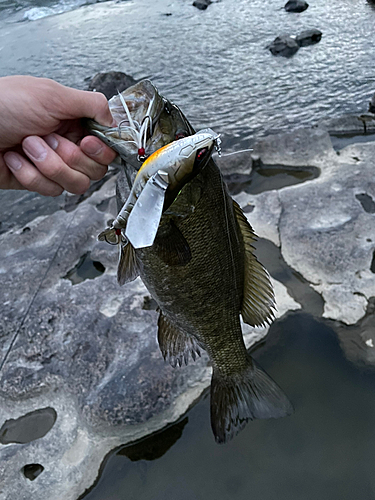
(202, 272)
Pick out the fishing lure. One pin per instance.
(158, 181)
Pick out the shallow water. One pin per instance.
(326, 449)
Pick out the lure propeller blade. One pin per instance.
(144, 219)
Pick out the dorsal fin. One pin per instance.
(258, 303)
(175, 345)
(127, 267)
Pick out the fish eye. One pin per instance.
(180, 134)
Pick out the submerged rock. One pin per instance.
(283, 45)
(309, 37)
(296, 6)
(202, 4)
(110, 83)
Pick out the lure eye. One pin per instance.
(201, 153)
(202, 157)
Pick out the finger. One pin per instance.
(83, 103)
(97, 150)
(29, 177)
(73, 156)
(7, 179)
(52, 166)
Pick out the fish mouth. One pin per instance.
(145, 122)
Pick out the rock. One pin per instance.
(110, 83)
(349, 124)
(372, 105)
(283, 45)
(308, 37)
(202, 4)
(296, 6)
(84, 372)
(325, 226)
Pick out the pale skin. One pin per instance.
(43, 147)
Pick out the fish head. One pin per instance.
(145, 122)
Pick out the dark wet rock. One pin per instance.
(111, 82)
(296, 6)
(202, 4)
(349, 125)
(308, 37)
(283, 45)
(371, 108)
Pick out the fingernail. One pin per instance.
(12, 160)
(51, 141)
(33, 148)
(92, 149)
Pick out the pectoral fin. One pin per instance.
(171, 246)
(127, 267)
(175, 345)
(258, 303)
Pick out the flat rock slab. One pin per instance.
(83, 372)
(325, 227)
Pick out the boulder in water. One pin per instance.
(283, 45)
(202, 4)
(296, 6)
(308, 37)
(111, 82)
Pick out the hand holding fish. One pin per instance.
(43, 147)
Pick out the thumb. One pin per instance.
(86, 104)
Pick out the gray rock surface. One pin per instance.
(87, 352)
(325, 227)
(283, 45)
(83, 371)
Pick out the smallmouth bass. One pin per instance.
(200, 269)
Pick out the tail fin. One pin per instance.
(237, 399)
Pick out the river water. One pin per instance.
(212, 63)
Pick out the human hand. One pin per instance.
(43, 146)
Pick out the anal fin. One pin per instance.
(258, 303)
(175, 345)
